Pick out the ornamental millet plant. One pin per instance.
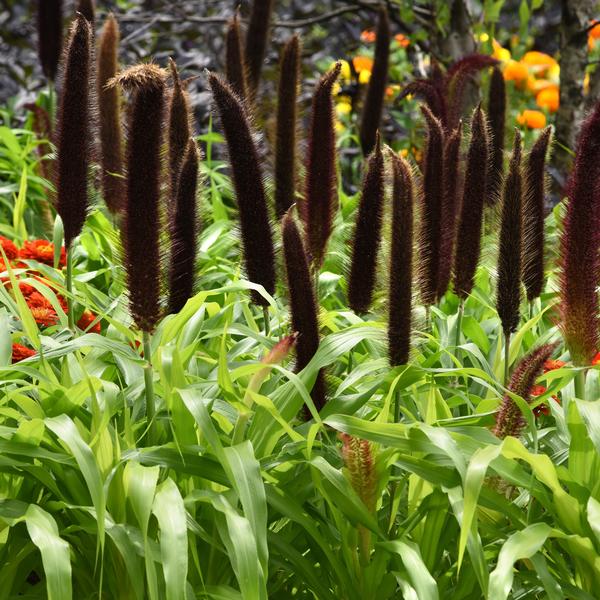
(111, 131)
(141, 229)
(257, 240)
(497, 118)
(74, 141)
(49, 26)
(509, 256)
(287, 116)
(431, 209)
(373, 105)
(579, 258)
(235, 65)
(320, 199)
(257, 39)
(367, 234)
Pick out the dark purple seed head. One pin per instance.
(257, 39)
(50, 27)
(88, 9)
(235, 66)
(497, 118)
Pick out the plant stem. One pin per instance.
(51, 102)
(506, 356)
(69, 282)
(149, 388)
(240, 428)
(580, 384)
(267, 321)
(459, 318)
(397, 405)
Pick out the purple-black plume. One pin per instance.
(50, 27)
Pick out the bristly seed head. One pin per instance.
(49, 25)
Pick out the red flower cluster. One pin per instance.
(538, 390)
(20, 352)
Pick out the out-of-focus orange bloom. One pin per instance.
(368, 36)
(553, 364)
(538, 62)
(534, 119)
(42, 251)
(402, 40)
(20, 352)
(517, 72)
(362, 63)
(9, 248)
(500, 53)
(86, 319)
(537, 85)
(549, 99)
(595, 30)
(596, 359)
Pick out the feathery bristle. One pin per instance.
(74, 135)
(285, 145)
(367, 234)
(579, 243)
(109, 103)
(533, 216)
(431, 209)
(373, 105)
(259, 254)
(468, 239)
(184, 232)
(509, 257)
(302, 303)
(257, 38)
(457, 77)
(451, 176)
(401, 264)
(88, 9)
(141, 227)
(509, 418)
(235, 66)
(49, 25)
(497, 117)
(321, 186)
(180, 127)
(434, 98)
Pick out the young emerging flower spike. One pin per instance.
(184, 232)
(579, 243)
(257, 38)
(497, 117)
(303, 304)
(320, 196)
(509, 257)
(451, 175)
(88, 9)
(180, 128)
(285, 145)
(367, 234)
(49, 25)
(401, 259)
(74, 138)
(373, 106)
(235, 66)
(111, 132)
(533, 216)
(141, 227)
(257, 238)
(509, 419)
(468, 239)
(431, 213)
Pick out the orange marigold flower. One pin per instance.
(402, 40)
(362, 63)
(368, 36)
(42, 251)
(553, 364)
(549, 99)
(534, 119)
(44, 316)
(596, 359)
(86, 319)
(539, 62)
(20, 352)
(595, 30)
(517, 72)
(9, 248)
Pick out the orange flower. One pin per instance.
(539, 62)
(9, 248)
(595, 30)
(534, 119)
(596, 359)
(553, 364)
(362, 63)
(549, 99)
(517, 72)
(368, 36)
(402, 40)
(537, 85)
(44, 316)
(42, 251)
(86, 319)
(20, 352)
